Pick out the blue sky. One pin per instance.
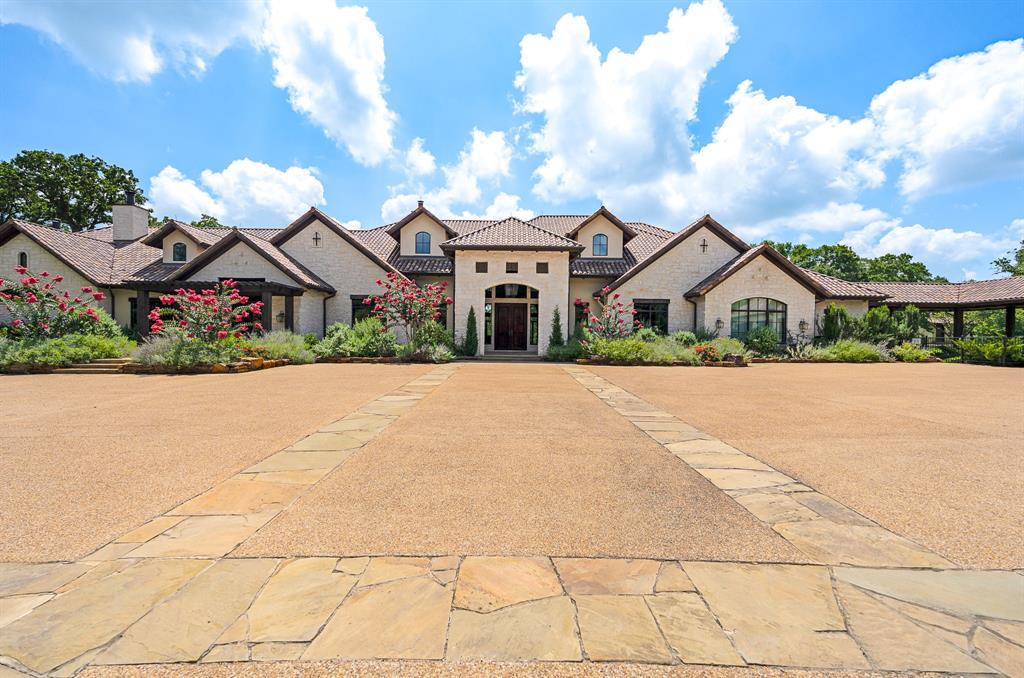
(888, 126)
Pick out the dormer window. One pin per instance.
(317, 239)
(600, 246)
(422, 243)
(179, 252)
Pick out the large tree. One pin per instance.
(841, 261)
(75, 191)
(1013, 263)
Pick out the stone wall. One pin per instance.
(600, 224)
(192, 248)
(407, 236)
(470, 286)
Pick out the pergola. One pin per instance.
(975, 295)
(263, 290)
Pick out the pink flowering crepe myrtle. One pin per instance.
(405, 304)
(613, 320)
(207, 315)
(40, 307)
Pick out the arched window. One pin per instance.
(179, 252)
(422, 243)
(600, 247)
(758, 312)
(23, 259)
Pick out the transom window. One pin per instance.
(422, 243)
(179, 252)
(23, 259)
(600, 245)
(652, 313)
(748, 314)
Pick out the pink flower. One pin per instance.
(87, 290)
(448, 300)
(20, 269)
(605, 290)
(58, 278)
(17, 323)
(45, 274)
(258, 326)
(98, 296)
(222, 334)
(182, 323)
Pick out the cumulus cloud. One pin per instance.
(418, 160)
(485, 159)
(245, 193)
(834, 217)
(960, 123)
(329, 59)
(133, 41)
(618, 121)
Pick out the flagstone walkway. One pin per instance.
(172, 590)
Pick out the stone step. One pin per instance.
(111, 361)
(87, 368)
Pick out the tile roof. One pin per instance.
(91, 257)
(423, 265)
(964, 293)
(511, 233)
(844, 289)
(737, 263)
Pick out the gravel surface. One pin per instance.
(85, 458)
(517, 459)
(934, 452)
(424, 669)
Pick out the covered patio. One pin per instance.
(254, 289)
(975, 295)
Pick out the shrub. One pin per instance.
(666, 351)
(763, 340)
(40, 308)
(565, 352)
(991, 351)
(703, 335)
(61, 351)
(281, 344)
(614, 320)
(404, 304)
(684, 338)
(367, 338)
(627, 350)
(880, 324)
(836, 324)
(646, 334)
(708, 353)
(309, 339)
(428, 353)
(806, 352)
(911, 353)
(432, 333)
(852, 351)
(729, 346)
(208, 316)
(182, 352)
(470, 343)
(556, 338)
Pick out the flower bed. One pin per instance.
(244, 365)
(738, 362)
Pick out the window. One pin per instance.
(23, 259)
(510, 291)
(542, 267)
(488, 323)
(481, 267)
(582, 317)
(359, 309)
(179, 252)
(600, 247)
(652, 314)
(534, 323)
(511, 267)
(748, 314)
(422, 243)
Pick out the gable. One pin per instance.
(240, 260)
(192, 248)
(600, 224)
(406, 236)
(335, 260)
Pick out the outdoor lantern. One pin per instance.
(803, 327)
(280, 317)
(719, 324)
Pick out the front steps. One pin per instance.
(101, 366)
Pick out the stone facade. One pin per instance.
(192, 248)
(601, 225)
(407, 236)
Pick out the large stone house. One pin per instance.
(514, 273)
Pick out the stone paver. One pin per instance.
(297, 600)
(150, 529)
(401, 619)
(239, 496)
(197, 536)
(601, 575)
(85, 618)
(541, 630)
(16, 607)
(691, 630)
(999, 653)
(389, 568)
(488, 583)
(183, 627)
(620, 628)
(300, 461)
(22, 578)
(671, 577)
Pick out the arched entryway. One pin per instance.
(511, 318)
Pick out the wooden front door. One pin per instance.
(510, 327)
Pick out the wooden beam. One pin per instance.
(268, 311)
(289, 313)
(1011, 320)
(958, 323)
(142, 313)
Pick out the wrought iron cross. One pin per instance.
(316, 239)
(703, 245)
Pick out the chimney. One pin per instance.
(131, 221)
(419, 203)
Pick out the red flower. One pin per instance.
(21, 269)
(17, 323)
(98, 296)
(87, 290)
(222, 334)
(182, 323)
(45, 274)
(258, 326)
(58, 278)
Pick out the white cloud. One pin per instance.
(133, 41)
(504, 205)
(330, 59)
(418, 160)
(936, 247)
(621, 120)
(486, 158)
(834, 217)
(245, 193)
(960, 123)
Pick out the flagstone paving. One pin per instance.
(173, 592)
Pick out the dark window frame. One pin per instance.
(422, 244)
(511, 267)
(23, 259)
(359, 309)
(652, 313)
(542, 267)
(599, 245)
(750, 313)
(183, 249)
(481, 267)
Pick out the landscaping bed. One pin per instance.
(244, 365)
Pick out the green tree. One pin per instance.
(470, 341)
(841, 261)
(74, 190)
(1013, 263)
(898, 268)
(206, 221)
(556, 329)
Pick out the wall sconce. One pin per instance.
(280, 317)
(719, 324)
(803, 327)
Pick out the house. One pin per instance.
(513, 272)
